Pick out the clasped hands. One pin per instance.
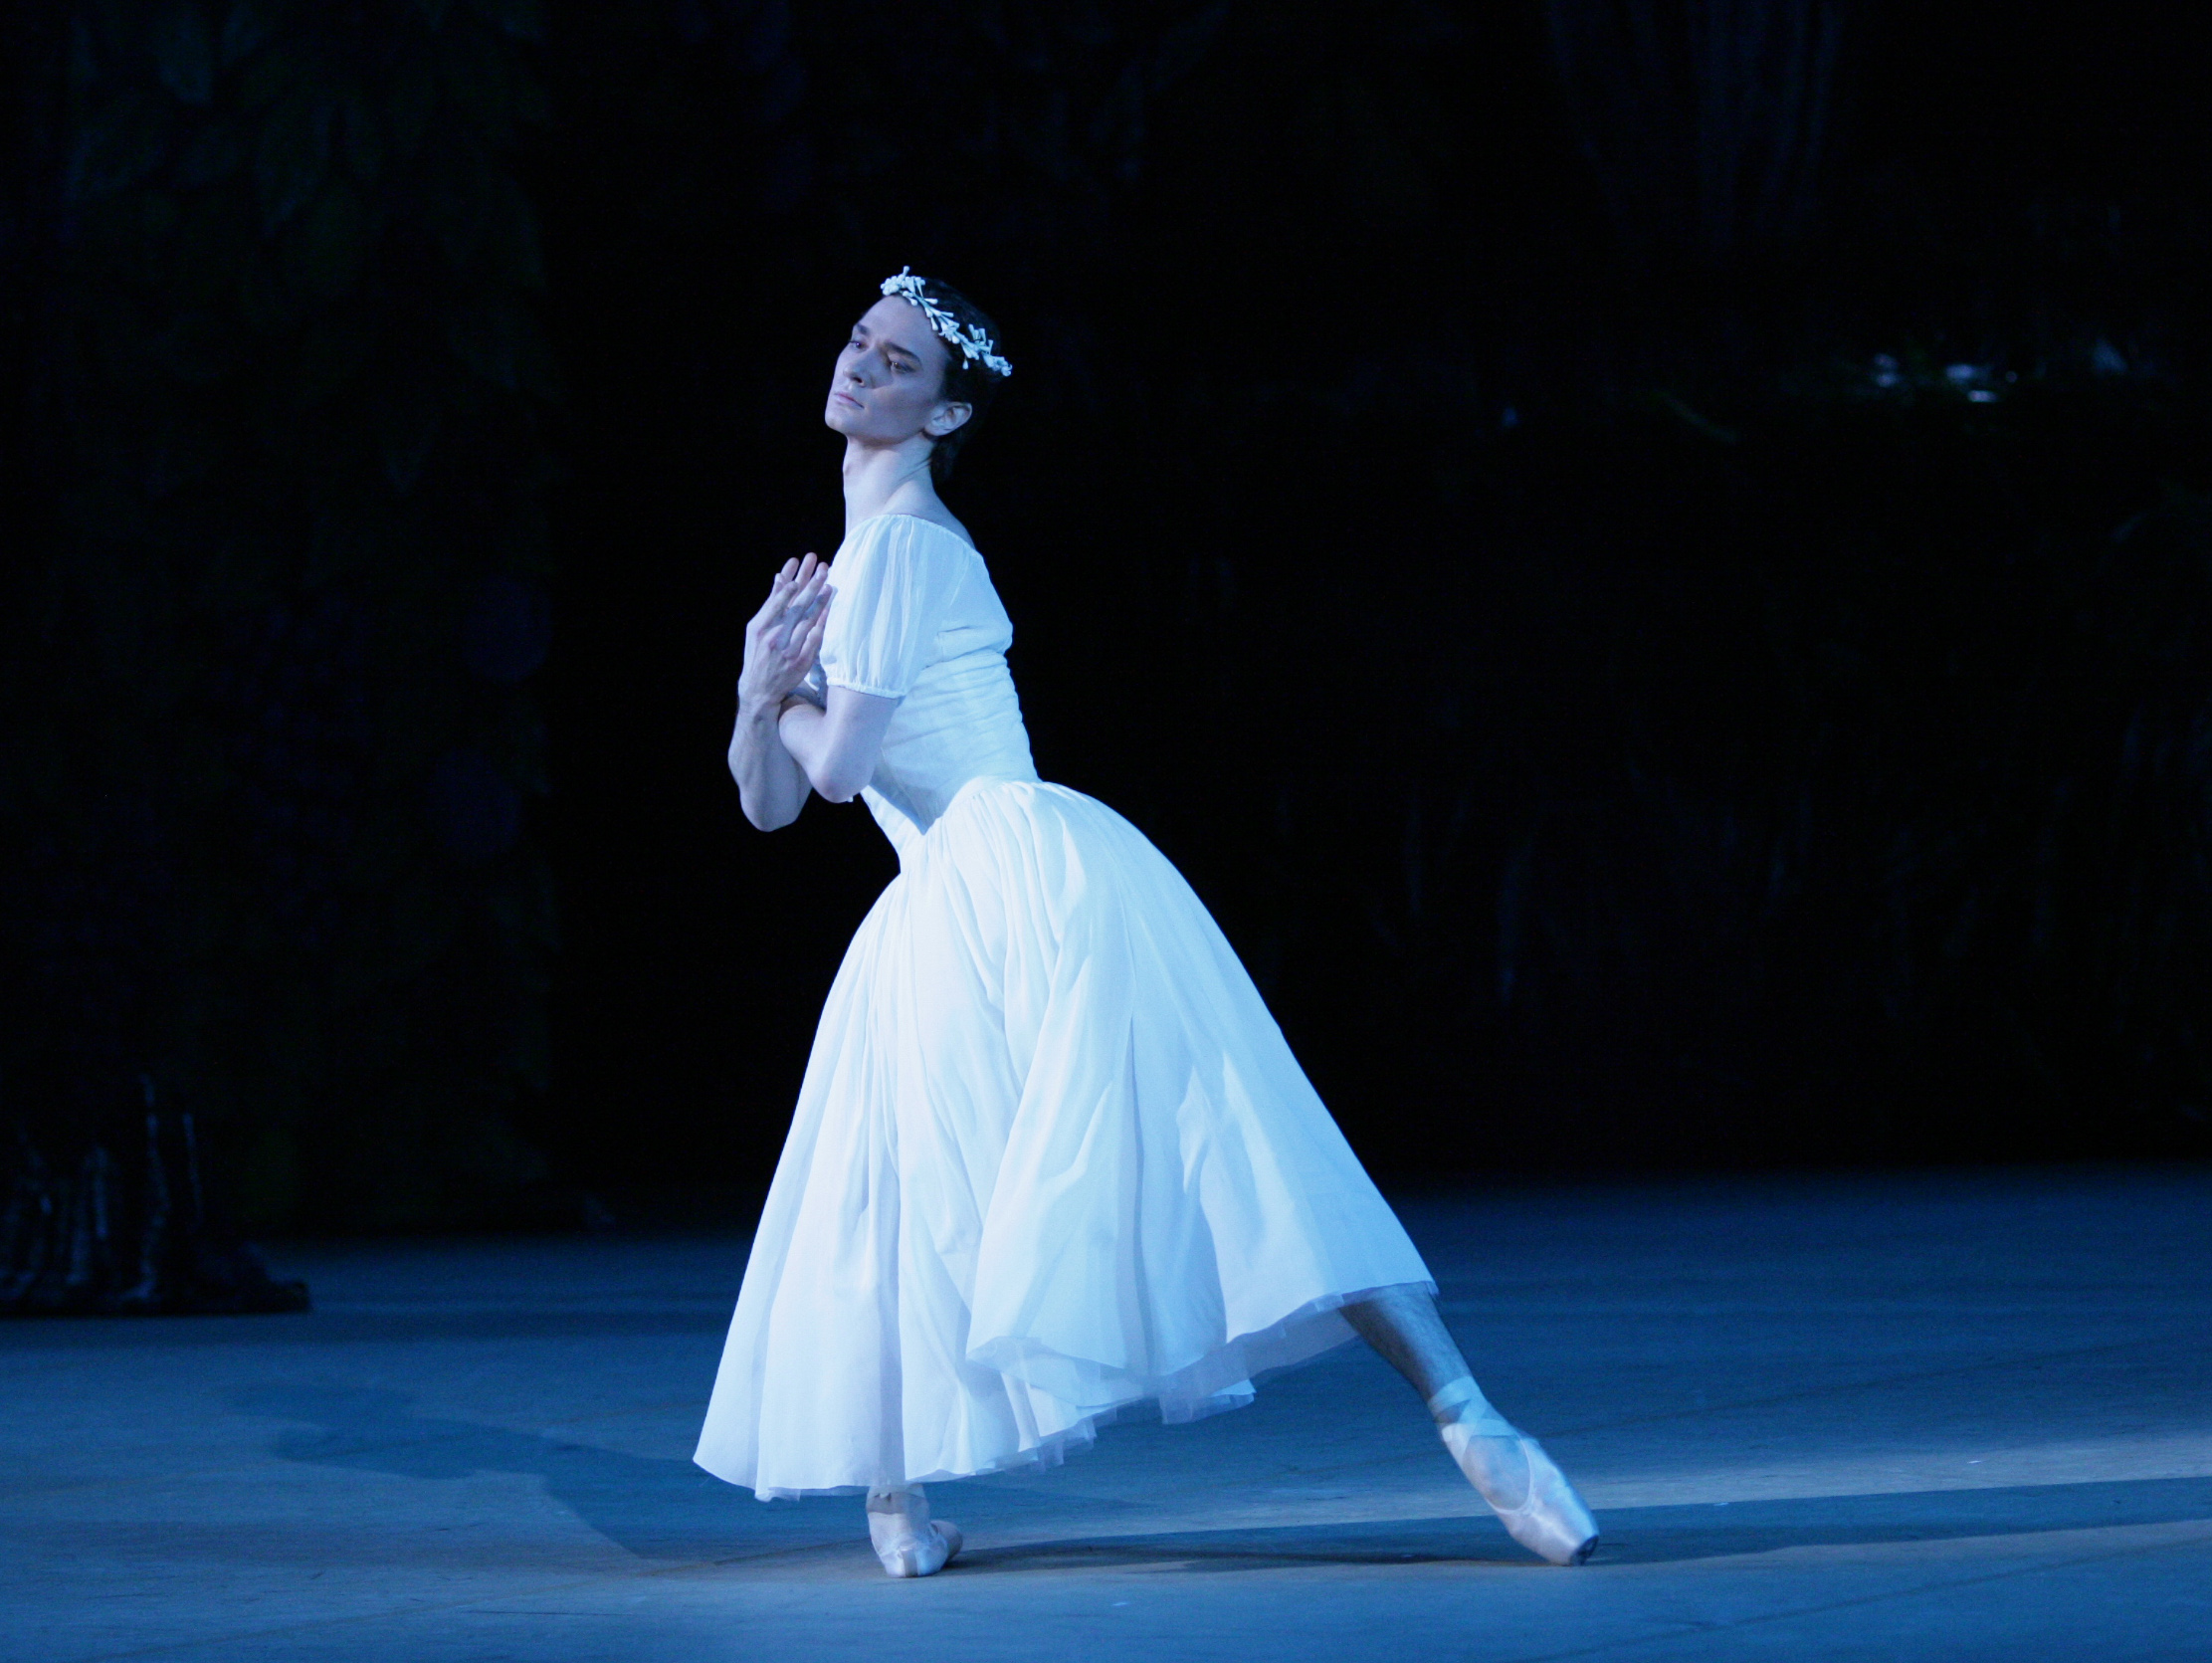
(785, 635)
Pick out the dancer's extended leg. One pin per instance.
(906, 1539)
(1509, 1469)
(1402, 1324)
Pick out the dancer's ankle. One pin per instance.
(1461, 1403)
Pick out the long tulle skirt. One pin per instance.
(1052, 1158)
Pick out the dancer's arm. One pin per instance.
(837, 748)
(782, 642)
(771, 786)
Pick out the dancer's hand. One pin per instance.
(785, 635)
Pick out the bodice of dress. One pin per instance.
(916, 619)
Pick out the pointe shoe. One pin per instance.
(1550, 1520)
(908, 1541)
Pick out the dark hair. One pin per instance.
(966, 382)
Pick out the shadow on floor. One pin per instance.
(1647, 1534)
(665, 1508)
(1662, 1534)
(656, 1508)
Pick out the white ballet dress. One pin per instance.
(1052, 1156)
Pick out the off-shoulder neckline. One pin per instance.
(920, 520)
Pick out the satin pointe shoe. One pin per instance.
(1550, 1520)
(906, 1537)
(1509, 1470)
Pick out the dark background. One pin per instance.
(1650, 562)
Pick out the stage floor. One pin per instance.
(1924, 1417)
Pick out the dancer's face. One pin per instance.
(890, 379)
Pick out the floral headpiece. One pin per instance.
(974, 344)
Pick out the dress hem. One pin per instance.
(1241, 1363)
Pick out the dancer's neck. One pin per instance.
(891, 479)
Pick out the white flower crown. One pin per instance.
(973, 343)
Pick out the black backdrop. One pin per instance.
(1612, 729)
(1660, 595)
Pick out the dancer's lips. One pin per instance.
(846, 397)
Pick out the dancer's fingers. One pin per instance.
(770, 610)
(791, 594)
(809, 601)
(778, 589)
(795, 642)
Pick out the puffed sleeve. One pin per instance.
(895, 581)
